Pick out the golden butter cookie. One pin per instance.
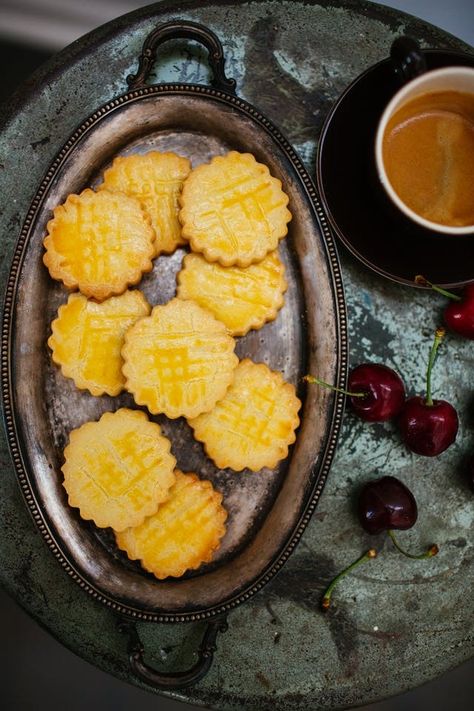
(184, 532)
(87, 339)
(99, 243)
(233, 210)
(242, 298)
(253, 425)
(118, 470)
(179, 360)
(156, 179)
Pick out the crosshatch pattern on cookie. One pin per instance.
(119, 469)
(233, 210)
(253, 425)
(99, 242)
(87, 339)
(179, 360)
(241, 298)
(156, 180)
(184, 532)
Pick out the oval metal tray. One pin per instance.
(268, 511)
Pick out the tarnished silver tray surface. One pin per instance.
(269, 510)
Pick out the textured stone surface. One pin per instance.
(397, 623)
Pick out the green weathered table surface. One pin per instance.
(397, 622)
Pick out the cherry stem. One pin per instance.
(439, 335)
(316, 381)
(432, 550)
(326, 601)
(419, 279)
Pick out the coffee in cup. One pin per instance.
(425, 150)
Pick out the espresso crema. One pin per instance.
(428, 155)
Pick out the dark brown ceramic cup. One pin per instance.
(357, 207)
(444, 142)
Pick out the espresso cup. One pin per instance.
(424, 146)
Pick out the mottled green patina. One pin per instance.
(397, 623)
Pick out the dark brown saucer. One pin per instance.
(355, 203)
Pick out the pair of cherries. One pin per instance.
(377, 394)
(385, 504)
(428, 427)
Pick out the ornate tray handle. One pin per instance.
(182, 29)
(177, 680)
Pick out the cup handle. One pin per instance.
(407, 59)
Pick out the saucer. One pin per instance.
(355, 203)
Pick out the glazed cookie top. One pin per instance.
(233, 210)
(254, 424)
(99, 243)
(184, 532)
(156, 180)
(242, 298)
(118, 470)
(87, 339)
(179, 360)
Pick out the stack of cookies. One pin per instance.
(175, 359)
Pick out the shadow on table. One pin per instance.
(39, 674)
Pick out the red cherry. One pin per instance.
(459, 315)
(383, 390)
(376, 392)
(428, 429)
(385, 504)
(429, 426)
